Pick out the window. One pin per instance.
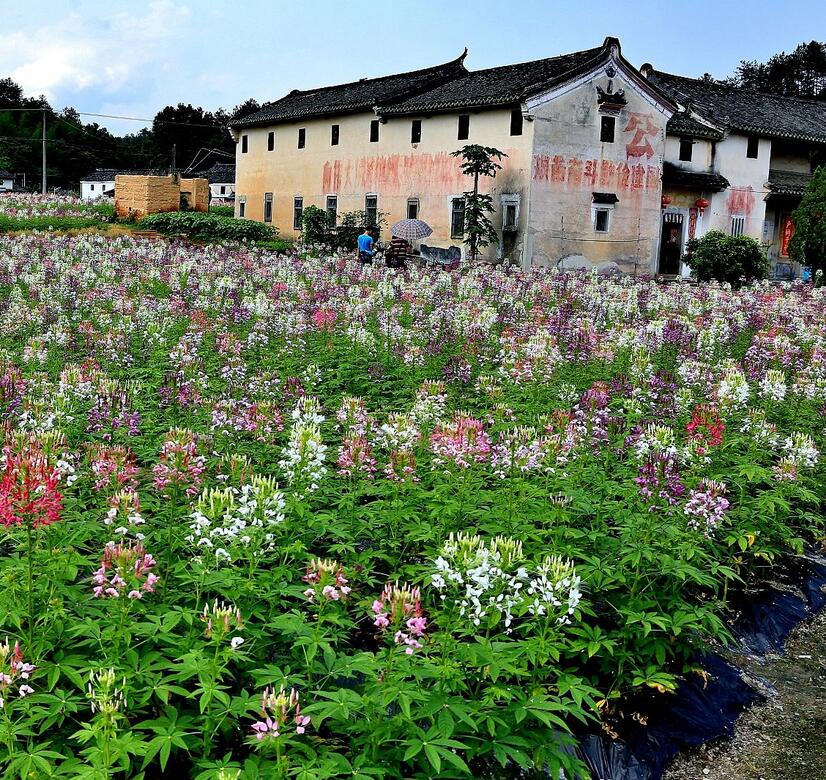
(738, 225)
(244, 144)
(371, 209)
(267, 207)
(270, 140)
(332, 209)
(412, 208)
(457, 218)
(374, 131)
(516, 121)
(334, 132)
(464, 127)
(298, 212)
(602, 220)
(510, 212)
(302, 137)
(686, 146)
(242, 206)
(607, 127)
(752, 147)
(416, 131)
(223, 189)
(92, 187)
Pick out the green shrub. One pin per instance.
(733, 259)
(808, 244)
(353, 223)
(315, 225)
(222, 211)
(204, 226)
(13, 224)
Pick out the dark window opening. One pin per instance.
(412, 208)
(332, 209)
(302, 137)
(371, 209)
(298, 212)
(267, 207)
(509, 217)
(752, 147)
(244, 144)
(334, 131)
(464, 127)
(374, 131)
(457, 218)
(270, 141)
(601, 218)
(686, 145)
(607, 127)
(416, 131)
(516, 121)
(242, 207)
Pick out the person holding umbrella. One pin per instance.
(400, 250)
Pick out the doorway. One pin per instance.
(671, 243)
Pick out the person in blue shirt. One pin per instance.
(366, 250)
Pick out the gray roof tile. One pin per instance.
(747, 111)
(788, 182)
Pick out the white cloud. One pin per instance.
(103, 54)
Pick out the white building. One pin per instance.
(221, 177)
(6, 181)
(100, 183)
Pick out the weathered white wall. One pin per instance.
(701, 154)
(570, 164)
(6, 184)
(393, 168)
(747, 178)
(88, 193)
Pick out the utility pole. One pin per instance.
(43, 145)
(173, 158)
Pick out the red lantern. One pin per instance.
(702, 204)
(666, 200)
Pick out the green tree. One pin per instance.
(478, 229)
(802, 73)
(808, 244)
(725, 258)
(315, 225)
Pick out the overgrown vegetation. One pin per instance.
(204, 226)
(724, 258)
(808, 244)
(268, 517)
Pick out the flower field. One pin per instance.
(269, 517)
(28, 211)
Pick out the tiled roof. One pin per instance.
(504, 85)
(674, 176)
(682, 123)
(220, 173)
(360, 95)
(747, 111)
(788, 182)
(108, 174)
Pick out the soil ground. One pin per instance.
(783, 738)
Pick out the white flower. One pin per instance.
(236, 642)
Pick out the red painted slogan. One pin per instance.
(394, 173)
(610, 174)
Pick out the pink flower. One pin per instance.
(397, 607)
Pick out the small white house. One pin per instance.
(6, 181)
(100, 183)
(221, 178)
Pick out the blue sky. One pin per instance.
(133, 58)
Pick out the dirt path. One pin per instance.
(784, 738)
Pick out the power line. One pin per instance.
(128, 118)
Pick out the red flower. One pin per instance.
(28, 488)
(705, 427)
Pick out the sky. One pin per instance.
(133, 58)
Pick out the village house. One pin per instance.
(221, 178)
(607, 166)
(6, 181)
(100, 183)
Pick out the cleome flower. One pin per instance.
(14, 672)
(125, 571)
(399, 609)
(29, 494)
(706, 506)
(220, 620)
(326, 581)
(279, 712)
